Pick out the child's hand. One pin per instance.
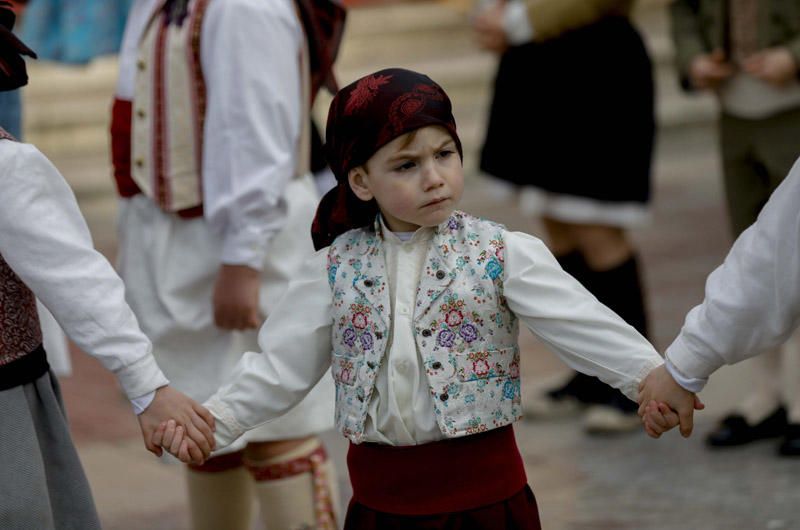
(168, 403)
(236, 298)
(172, 437)
(659, 418)
(709, 70)
(661, 387)
(489, 28)
(774, 65)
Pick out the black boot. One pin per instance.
(790, 446)
(734, 430)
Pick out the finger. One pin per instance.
(169, 435)
(651, 432)
(656, 418)
(183, 452)
(698, 405)
(686, 421)
(175, 446)
(158, 435)
(202, 425)
(206, 415)
(198, 438)
(193, 451)
(669, 415)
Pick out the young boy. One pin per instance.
(46, 251)
(752, 304)
(415, 307)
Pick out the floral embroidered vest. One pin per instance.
(465, 333)
(20, 333)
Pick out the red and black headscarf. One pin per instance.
(12, 66)
(363, 117)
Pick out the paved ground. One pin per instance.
(582, 483)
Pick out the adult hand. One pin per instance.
(196, 421)
(774, 65)
(236, 298)
(490, 29)
(659, 386)
(709, 70)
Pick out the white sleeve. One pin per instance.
(295, 344)
(250, 56)
(45, 240)
(584, 333)
(752, 300)
(517, 24)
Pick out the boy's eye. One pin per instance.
(405, 166)
(444, 153)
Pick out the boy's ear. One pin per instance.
(357, 178)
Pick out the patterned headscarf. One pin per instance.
(363, 117)
(12, 66)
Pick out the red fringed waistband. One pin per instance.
(448, 476)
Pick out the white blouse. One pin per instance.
(296, 342)
(45, 240)
(752, 300)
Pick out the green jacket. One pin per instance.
(699, 26)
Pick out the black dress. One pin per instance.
(574, 115)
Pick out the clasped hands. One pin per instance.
(664, 404)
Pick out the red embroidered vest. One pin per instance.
(20, 334)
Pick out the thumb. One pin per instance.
(686, 420)
(698, 405)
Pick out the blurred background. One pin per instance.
(626, 481)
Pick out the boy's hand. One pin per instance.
(236, 298)
(172, 437)
(193, 418)
(774, 65)
(661, 387)
(709, 70)
(489, 28)
(659, 418)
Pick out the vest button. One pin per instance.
(440, 275)
(139, 162)
(371, 365)
(378, 335)
(426, 333)
(141, 113)
(368, 283)
(436, 366)
(444, 396)
(141, 64)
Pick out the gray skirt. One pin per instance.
(42, 483)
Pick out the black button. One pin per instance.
(360, 398)
(378, 335)
(437, 365)
(426, 333)
(444, 396)
(440, 275)
(368, 283)
(371, 364)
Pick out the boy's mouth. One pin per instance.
(435, 202)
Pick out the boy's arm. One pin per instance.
(45, 240)
(296, 352)
(752, 300)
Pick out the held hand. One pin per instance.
(658, 419)
(194, 420)
(172, 437)
(236, 298)
(709, 70)
(774, 65)
(489, 28)
(659, 386)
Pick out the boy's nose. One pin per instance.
(432, 177)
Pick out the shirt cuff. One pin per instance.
(227, 428)
(689, 365)
(141, 403)
(689, 383)
(631, 389)
(247, 248)
(141, 377)
(516, 23)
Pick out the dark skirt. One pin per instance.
(42, 484)
(473, 482)
(574, 115)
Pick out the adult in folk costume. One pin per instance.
(46, 252)
(210, 146)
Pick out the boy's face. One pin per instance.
(416, 179)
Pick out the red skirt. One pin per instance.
(475, 482)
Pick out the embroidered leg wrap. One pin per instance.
(220, 494)
(297, 490)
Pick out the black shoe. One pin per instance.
(734, 430)
(790, 446)
(584, 388)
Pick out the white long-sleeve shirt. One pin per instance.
(296, 342)
(752, 300)
(45, 240)
(250, 55)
